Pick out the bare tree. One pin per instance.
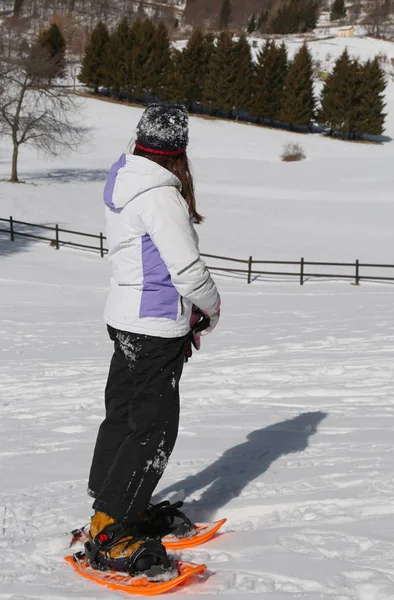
(34, 110)
(377, 19)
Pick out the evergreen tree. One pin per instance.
(271, 71)
(174, 84)
(178, 84)
(225, 14)
(218, 87)
(337, 96)
(262, 23)
(93, 72)
(209, 46)
(243, 75)
(352, 99)
(144, 44)
(372, 117)
(252, 24)
(51, 48)
(310, 14)
(296, 16)
(160, 63)
(192, 66)
(354, 123)
(338, 10)
(298, 103)
(119, 67)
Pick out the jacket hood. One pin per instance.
(133, 175)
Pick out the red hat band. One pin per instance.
(161, 152)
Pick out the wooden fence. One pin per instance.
(299, 269)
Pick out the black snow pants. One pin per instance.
(139, 432)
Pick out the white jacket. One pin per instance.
(157, 272)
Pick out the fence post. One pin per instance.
(12, 229)
(101, 245)
(302, 272)
(250, 269)
(357, 272)
(57, 236)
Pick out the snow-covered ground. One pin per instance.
(287, 413)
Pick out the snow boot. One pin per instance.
(121, 547)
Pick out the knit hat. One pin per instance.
(163, 129)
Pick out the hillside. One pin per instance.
(332, 202)
(89, 11)
(186, 12)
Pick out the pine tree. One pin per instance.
(337, 96)
(295, 16)
(252, 24)
(372, 117)
(310, 15)
(218, 86)
(174, 87)
(298, 103)
(144, 35)
(160, 63)
(225, 14)
(118, 65)
(338, 10)
(243, 75)
(354, 122)
(51, 48)
(172, 91)
(192, 68)
(262, 24)
(209, 46)
(349, 99)
(93, 72)
(271, 72)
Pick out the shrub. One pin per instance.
(293, 153)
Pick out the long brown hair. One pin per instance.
(180, 167)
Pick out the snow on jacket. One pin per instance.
(157, 272)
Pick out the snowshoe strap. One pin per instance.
(150, 553)
(111, 535)
(104, 541)
(164, 514)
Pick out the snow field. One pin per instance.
(286, 430)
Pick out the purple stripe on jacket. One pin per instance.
(111, 180)
(159, 297)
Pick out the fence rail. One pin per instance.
(251, 273)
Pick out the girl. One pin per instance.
(157, 279)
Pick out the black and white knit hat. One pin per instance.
(163, 129)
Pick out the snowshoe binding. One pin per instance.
(122, 548)
(166, 519)
(118, 556)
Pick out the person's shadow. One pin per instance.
(238, 466)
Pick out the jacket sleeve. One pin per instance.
(166, 219)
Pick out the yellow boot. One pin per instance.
(121, 548)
